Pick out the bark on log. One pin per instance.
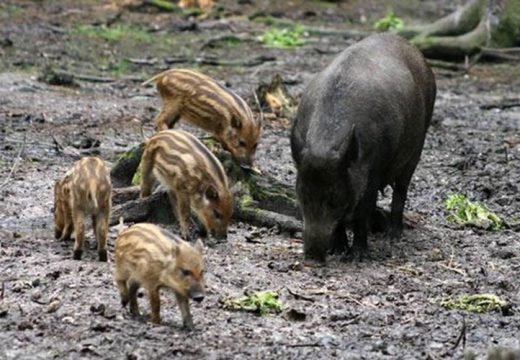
(468, 30)
(260, 200)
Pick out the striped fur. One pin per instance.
(194, 177)
(85, 190)
(150, 257)
(201, 101)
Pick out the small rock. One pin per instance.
(16, 235)
(4, 310)
(35, 282)
(36, 295)
(98, 309)
(53, 306)
(25, 325)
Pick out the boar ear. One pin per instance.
(235, 122)
(199, 246)
(211, 193)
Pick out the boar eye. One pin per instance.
(185, 272)
(217, 214)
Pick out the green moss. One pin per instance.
(164, 5)
(478, 303)
(389, 21)
(465, 212)
(246, 201)
(136, 179)
(283, 38)
(263, 302)
(507, 32)
(10, 11)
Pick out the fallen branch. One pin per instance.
(505, 104)
(220, 62)
(15, 164)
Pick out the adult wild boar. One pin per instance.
(360, 126)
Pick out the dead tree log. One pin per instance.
(477, 25)
(260, 200)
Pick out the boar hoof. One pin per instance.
(77, 254)
(102, 255)
(395, 232)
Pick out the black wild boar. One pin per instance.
(360, 126)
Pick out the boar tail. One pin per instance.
(153, 79)
(91, 196)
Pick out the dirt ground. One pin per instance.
(54, 307)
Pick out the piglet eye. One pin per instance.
(185, 272)
(217, 214)
(242, 143)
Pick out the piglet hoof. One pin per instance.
(77, 254)
(188, 325)
(102, 255)
(57, 234)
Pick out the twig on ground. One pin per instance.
(454, 269)
(2, 292)
(462, 336)
(299, 296)
(15, 164)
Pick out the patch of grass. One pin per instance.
(478, 303)
(465, 212)
(8, 11)
(164, 5)
(389, 22)
(115, 33)
(263, 302)
(120, 68)
(283, 38)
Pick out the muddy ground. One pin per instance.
(54, 307)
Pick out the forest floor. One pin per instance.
(385, 308)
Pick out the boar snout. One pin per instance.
(219, 234)
(197, 294)
(317, 240)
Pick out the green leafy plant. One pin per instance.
(464, 212)
(283, 38)
(478, 303)
(389, 21)
(262, 302)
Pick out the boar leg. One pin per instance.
(100, 223)
(147, 178)
(133, 286)
(365, 208)
(181, 202)
(184, 306)
(155, 305)
(400, 189)
(339, 239)
(79, 229)
(168, 116)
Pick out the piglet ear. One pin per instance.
(235, 122)
(199, 246)
(211, 193)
